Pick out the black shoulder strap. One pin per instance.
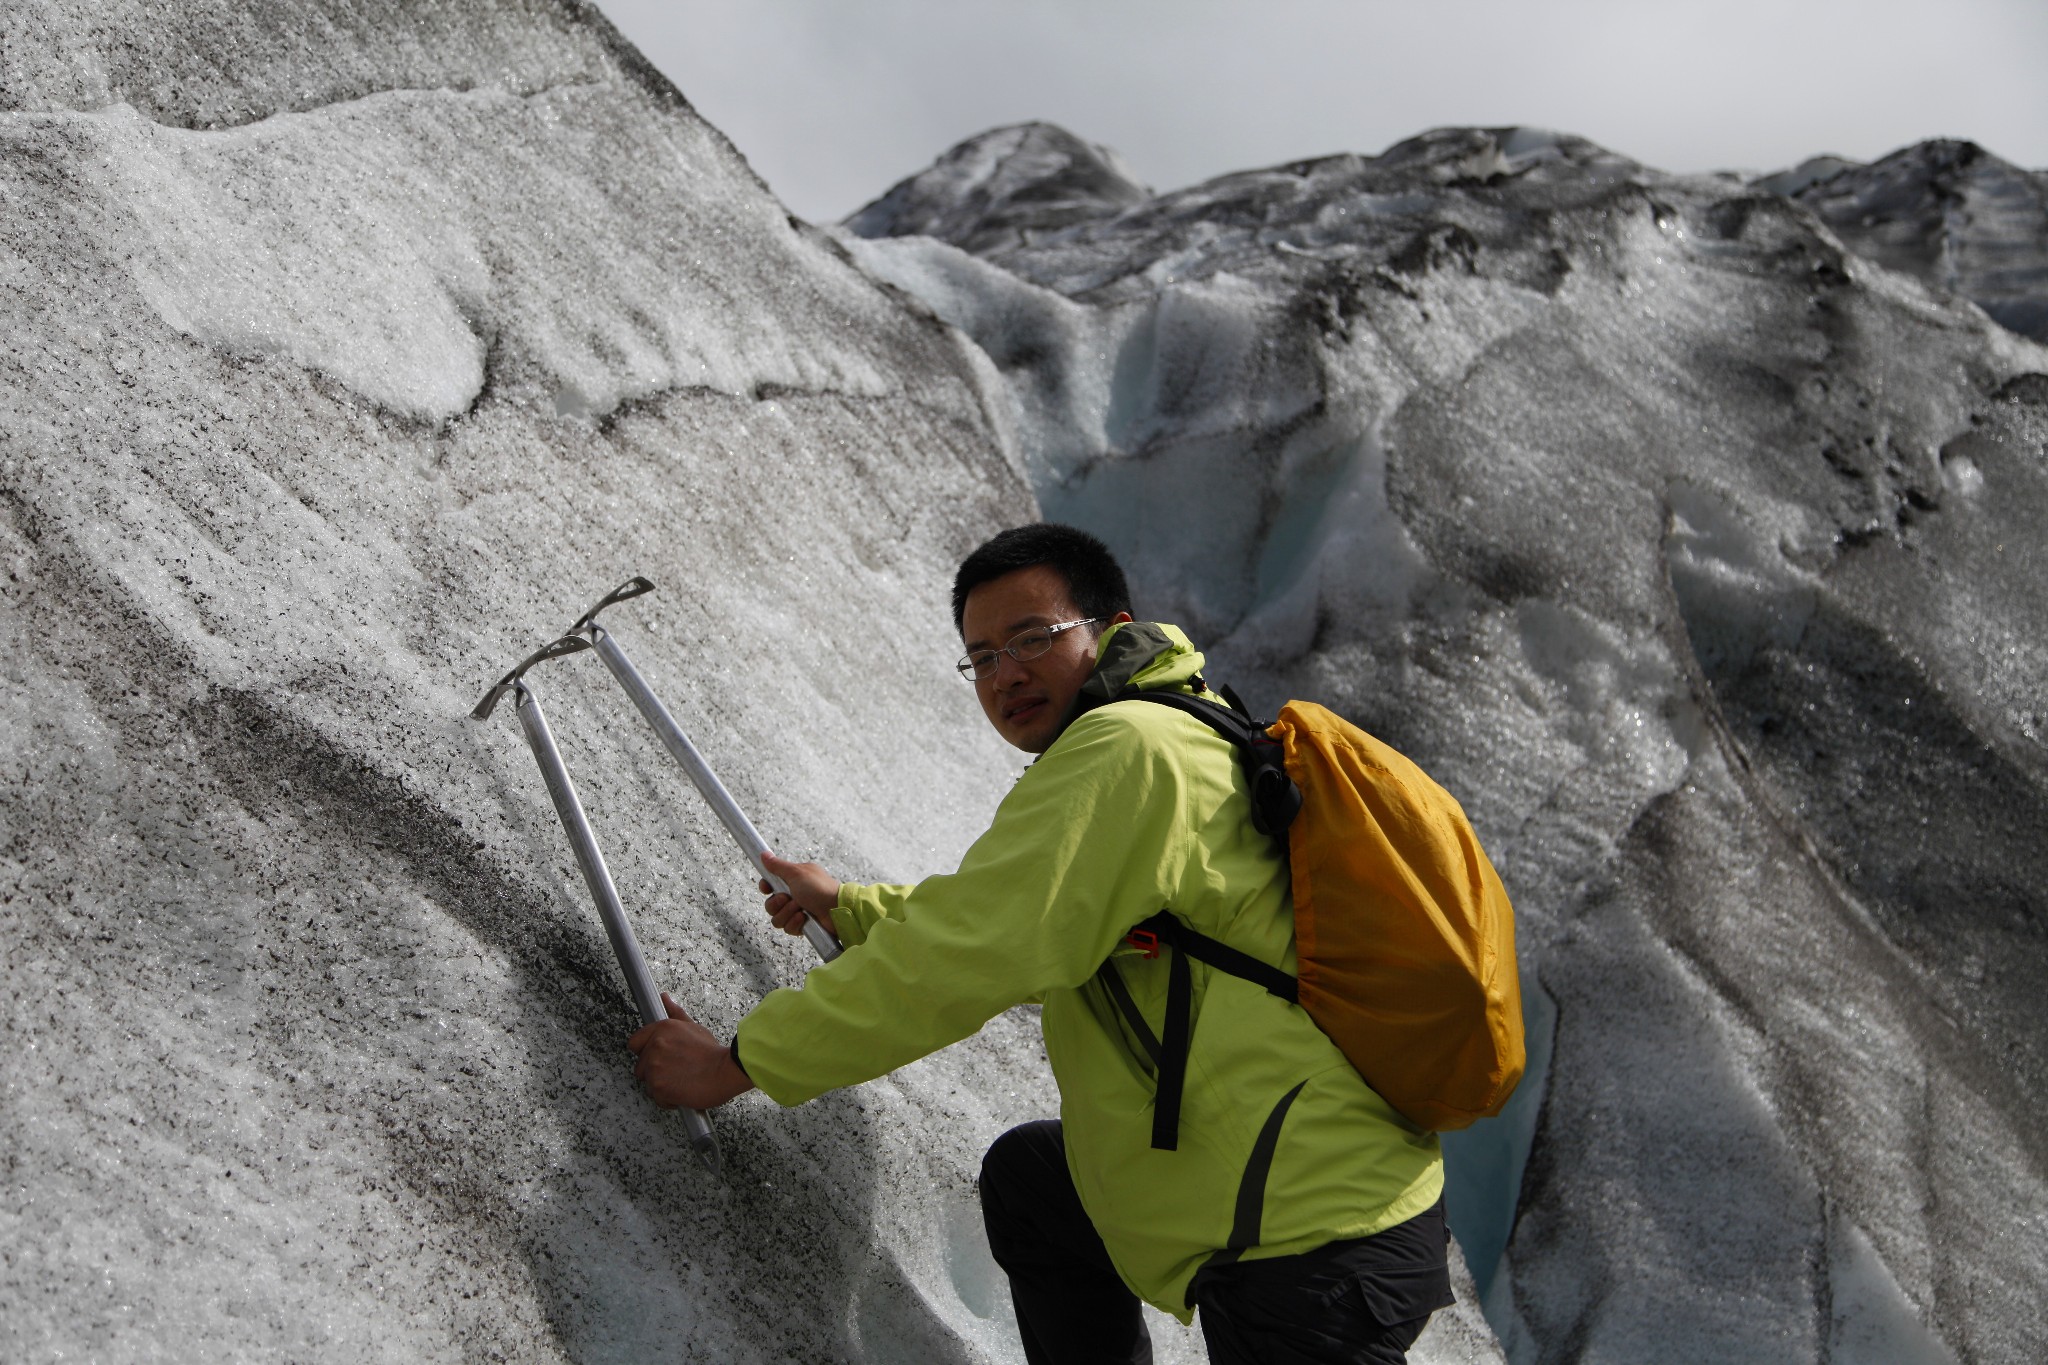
(1275, 798)
(1275, 802)
(1235, 725)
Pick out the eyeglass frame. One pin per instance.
(966, 666)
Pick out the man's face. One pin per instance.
(1027, 702)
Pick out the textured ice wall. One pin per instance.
(347, 352)
(1702, 558)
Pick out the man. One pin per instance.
(1289, 1203)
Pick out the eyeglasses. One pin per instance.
(1023, 646)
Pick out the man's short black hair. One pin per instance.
(1095, 580)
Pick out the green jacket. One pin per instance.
(1135, 808)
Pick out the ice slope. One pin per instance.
(1702, 556)
(347, 353)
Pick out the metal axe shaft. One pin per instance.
(685, 753)
(639, 980)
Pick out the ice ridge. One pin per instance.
(1946, 212)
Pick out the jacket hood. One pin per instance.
(1148, 655)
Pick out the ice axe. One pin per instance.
(639, 980)
(685, 753)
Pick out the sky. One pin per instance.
(833, 101)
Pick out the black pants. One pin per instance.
(1364, 1300)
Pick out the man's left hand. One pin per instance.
(683, 1065)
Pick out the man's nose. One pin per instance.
(1009, 671)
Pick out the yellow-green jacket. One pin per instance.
(1134, 809)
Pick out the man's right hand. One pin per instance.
(812, 893)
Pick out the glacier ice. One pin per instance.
(350, 350)
(1655, 519)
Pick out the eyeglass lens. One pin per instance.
(1024, 645)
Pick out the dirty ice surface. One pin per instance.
(344, 358)
(348, 352)
(1701, 556)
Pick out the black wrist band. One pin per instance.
(733, 1050)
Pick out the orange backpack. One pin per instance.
(1403, 932)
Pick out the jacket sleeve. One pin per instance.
(1092, 839)
(859, 906)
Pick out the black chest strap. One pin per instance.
(1188, 945)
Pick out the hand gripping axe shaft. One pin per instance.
(639, 980)
(685, 753)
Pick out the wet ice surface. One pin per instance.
(350, 353)
(1701, 557)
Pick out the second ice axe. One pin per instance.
(639, 980)
(685, 753)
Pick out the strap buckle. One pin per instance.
(1145, 941)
